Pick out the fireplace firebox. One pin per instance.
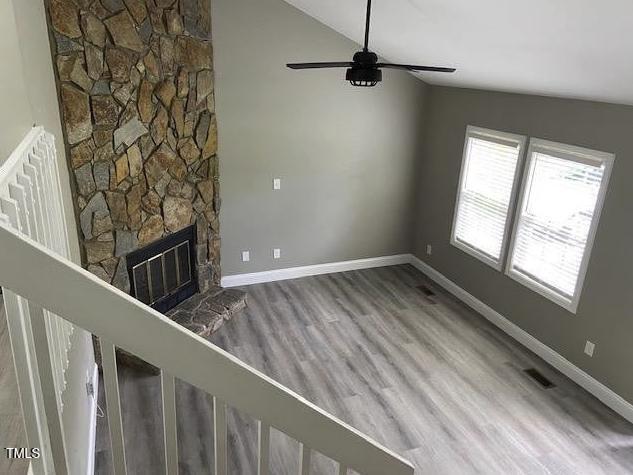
(162, 274)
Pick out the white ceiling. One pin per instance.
(568, 48)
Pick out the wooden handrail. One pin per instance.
(35, 273)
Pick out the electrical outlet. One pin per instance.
(276, 253)
(246, 256)
(90, 388)
(589, 348)
(429, 249)
(276, 183)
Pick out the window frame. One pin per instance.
(577, 154)
(498, 137)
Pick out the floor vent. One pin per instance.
(537, 376)
(425, 290)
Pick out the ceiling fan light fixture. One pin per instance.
(364, 69)
(363, 77)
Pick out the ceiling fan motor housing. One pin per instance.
(364, 72)
(365, 58)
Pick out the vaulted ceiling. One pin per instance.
(567, 48)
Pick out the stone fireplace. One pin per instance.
(136, 90)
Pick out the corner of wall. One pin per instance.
(418, 218)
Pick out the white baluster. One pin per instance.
(25, 183)
(16, 192)
(47, 217)
(304, 460)
(53, 344)
(220, 436)
(38, 203)
(263, 439)
(113, 403)
(51, 401)
(50, 168)
(57, 182)
(10, 212)
(169, 423)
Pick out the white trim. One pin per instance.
(504, 138)
(572, 152)
(237, 280)
(93, 423)
(599, 390)
(577, 154)
(30, 470)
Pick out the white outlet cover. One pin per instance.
(429, 249)
(277, 184)
(246, 256)
(589, 348)
(276, 253)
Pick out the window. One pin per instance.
(561, 198)
(485, 193)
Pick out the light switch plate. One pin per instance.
(276, 183)
(276, 253)
(429, 249)
(246, 256)
(589, 348)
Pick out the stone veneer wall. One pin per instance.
(135, 84)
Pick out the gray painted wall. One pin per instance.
(15, 115)
(346, 156)
(29, 97)
(604, 314)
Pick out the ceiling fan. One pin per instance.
(365, 70)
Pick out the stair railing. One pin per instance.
(31, 203)
(47, 283)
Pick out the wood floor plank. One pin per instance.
(420, 373)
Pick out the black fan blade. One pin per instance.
(410, 67)
(319, 65)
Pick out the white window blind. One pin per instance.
(556, 219)
(485, 193)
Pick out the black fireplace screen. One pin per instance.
(162, 274)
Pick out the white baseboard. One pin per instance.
(304, 271)
(599, 390)
(93, 423)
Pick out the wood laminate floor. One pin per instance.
(12, 432)
(422, 374)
